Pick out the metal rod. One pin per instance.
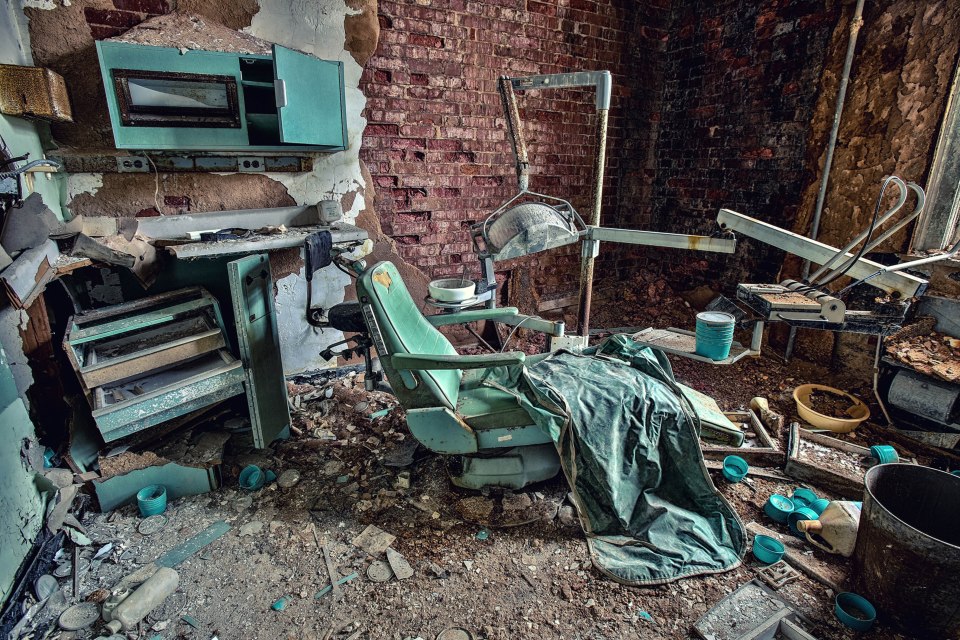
(892, 230)
(515, 128)
(876, 381)
(903, 284)
(855, 23)
(586, 267)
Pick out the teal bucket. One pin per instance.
(714, 334)
(152, 500)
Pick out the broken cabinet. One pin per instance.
(168, 98)
(148, 361)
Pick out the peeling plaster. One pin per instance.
(316, 28)
(301, 343)
(82, 183)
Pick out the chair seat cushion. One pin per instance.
(485, 407)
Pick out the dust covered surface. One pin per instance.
(187, 31)
(830, 404)
(932, 354)
(358, 467)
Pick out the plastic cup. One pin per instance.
(735, 468)
(884, 454)
(819, 505)
(801, 513)
(251, 478)
(778, 507)
(855, 611)
(802, 497)
(767, 550)
(152, 500)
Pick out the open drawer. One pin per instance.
(131, 405)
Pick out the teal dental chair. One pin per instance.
(490, 439)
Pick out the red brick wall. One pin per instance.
(741, 83)
(436, 141)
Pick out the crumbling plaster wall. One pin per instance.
(906, 54)
(21, 502)
(63, 36)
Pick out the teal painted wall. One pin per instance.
(21, 503)
(23, 136)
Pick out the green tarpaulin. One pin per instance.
(628, 442)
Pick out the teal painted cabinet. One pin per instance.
(160, 98)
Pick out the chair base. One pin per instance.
(509, 468)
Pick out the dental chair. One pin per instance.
(489, 438)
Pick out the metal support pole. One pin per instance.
(855, 23)
(590, 248)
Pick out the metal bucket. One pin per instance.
(907, 557)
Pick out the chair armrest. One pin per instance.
(430, 362)
(463, 317)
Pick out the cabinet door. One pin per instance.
(160, 98)
(310, 99)
(251, 288)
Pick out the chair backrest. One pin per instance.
(404, 330)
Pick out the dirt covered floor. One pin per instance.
(356, 465)
(531, 580)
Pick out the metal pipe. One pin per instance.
(515, 128)
(901, 200)
(921, 200)
(590, 247)
(855, 23)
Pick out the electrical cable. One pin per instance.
(510, 335)
(866, 241)
(156, 177)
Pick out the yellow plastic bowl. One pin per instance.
(858, 411)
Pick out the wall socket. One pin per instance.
(132, 164)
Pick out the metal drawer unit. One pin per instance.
(151, 360)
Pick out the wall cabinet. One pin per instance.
(162, 98)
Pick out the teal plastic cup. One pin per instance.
(778, 507)
(855, 611)
(802, 497)
(152, 500)
(251, 478)
(884, 454)
(735, 468)
(767, 550)
(818, 505)
(801, 513)
(714, 334)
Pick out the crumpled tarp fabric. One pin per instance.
(628, 443)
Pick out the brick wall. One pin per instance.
(712, 108)
(740, 85)
(436, 141)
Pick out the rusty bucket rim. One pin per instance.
(875, 501)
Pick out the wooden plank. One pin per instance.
(161, 355)
(797, 554)
(756, 472)
(295, 237)
(141, 412)
(173, 227)
(844, 485)
(762, 456)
